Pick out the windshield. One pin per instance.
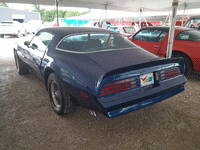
(94, 42)
(129, 29)
(193, 23)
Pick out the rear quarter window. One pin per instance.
(189, 35)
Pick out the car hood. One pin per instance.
(115, 59)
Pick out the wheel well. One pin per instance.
(47, 72)
(177, 52)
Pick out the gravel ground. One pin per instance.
(28, 121)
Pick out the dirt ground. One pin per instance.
(27, 120)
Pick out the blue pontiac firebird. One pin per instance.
(98, 69)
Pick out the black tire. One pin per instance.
(60, 100)
(188, 67)
(21, 68)
(2, 36)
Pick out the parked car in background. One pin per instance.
(98, 69)
(98, 24)
(33, 26)
(193, 22)
(143, 24)
(186, 44)
(126, 31)
(12, 28)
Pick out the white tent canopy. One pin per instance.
(100, 14)
(125, 5)
(120, 5)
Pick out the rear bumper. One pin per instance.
(144, 103)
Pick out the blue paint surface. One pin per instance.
(145, 103)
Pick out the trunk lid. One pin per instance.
(112, 60)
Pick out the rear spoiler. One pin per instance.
(145, 65)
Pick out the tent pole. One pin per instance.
(167, 19)
(57, 12)
(183, 14)
(140, 18)
(106, 12)
(172, 28)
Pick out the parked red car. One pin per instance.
(186, 44)
(126, 31)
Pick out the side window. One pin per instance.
(190, 35)
(76, 38)
(150, 35)
(162, 35)
(182, 36)
(74, 42)
(41, 40)
(142, 35)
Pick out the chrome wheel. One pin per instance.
(60, 100)
(56, 95)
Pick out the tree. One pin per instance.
(72, 13)
(62, 13)
(37, 9)
(4, 5)
(85, 12)
(50, 15)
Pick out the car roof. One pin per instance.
(8, 21)
(195, 17)
(167, 28)
(122, 26)
(74, 30)
(157, 27)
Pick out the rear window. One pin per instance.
(93, 42)
(190, 35)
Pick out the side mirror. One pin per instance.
(27, 43)
(34, 46)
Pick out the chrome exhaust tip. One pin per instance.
(93, 113)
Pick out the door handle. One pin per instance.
(156, 46)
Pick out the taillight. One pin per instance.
(169, 73)
(118, 86)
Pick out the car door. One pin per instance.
(150, 39)
(37, 49)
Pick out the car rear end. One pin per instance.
(128, 89)
(117, 76)
(7, 28)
